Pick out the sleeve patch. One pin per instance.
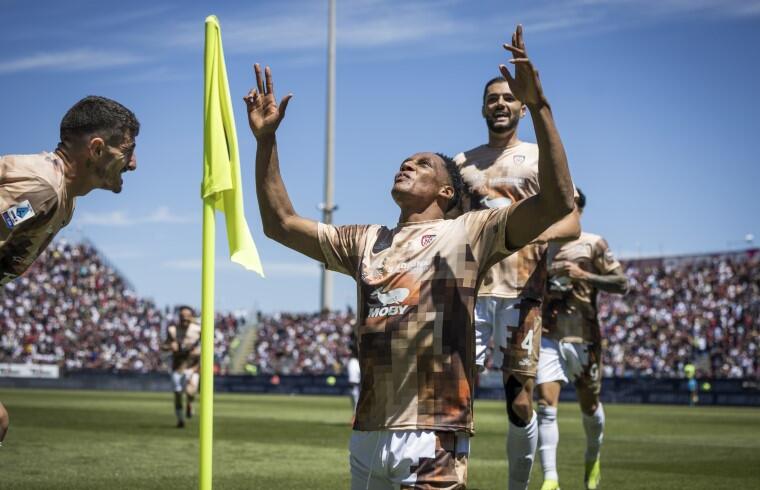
(15, 215)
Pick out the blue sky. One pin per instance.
(655, 100)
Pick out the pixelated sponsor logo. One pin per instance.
(518, 159)
(389, 301)
(415, 265)
(499, 181)
(17, 214)
(427, 240)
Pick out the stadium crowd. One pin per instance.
(303, 343)
(703, 310)
(73, 309)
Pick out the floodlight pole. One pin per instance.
(328, 206)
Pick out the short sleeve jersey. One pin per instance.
(416, 288)
(188, 339)
(570, 312)
(497, 177)
(34, 206)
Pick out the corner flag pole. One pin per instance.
(207, 346)
(221, 190)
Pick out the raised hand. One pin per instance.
(525, 85)
(264, 115)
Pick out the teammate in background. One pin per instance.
(4, 420)
(37, 192)
(690, 371)
(572, 344)
(354, 378)
(508, 308)
(184, 342)
(417, 284)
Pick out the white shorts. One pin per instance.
(182, 377)
(492, 317)
(565, 362)
(384, 459)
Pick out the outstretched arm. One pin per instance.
(281, 223)
(613, 281)
(532, 216)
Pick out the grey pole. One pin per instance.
(328, 206)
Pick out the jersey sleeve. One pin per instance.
(342, 246)
(24, 201)
(604, 260)
(487, 233)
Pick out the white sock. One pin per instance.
(594, 426)
(521, 450)
(548, 438)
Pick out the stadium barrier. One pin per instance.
(726, 392)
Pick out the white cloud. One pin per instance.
(161, 215)
(70, 60)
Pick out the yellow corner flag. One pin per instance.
(221, 190)
(221, 162)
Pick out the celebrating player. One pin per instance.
(37, 192)
(508, 308)
(571, 347)
(184, 342)
(417, 284)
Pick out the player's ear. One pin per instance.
(523, 111)
(447, 192)
(96, 146)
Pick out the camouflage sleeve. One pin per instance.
(342, 246)
(604, 260)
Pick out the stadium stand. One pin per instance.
(74, 309)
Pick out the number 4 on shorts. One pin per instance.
(527, 343)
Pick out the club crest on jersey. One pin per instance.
(518, 159)
(426, 240)
(17, 214)
(390, 302)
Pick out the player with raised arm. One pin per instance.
(571, 346)
(37, 192)
(184, 342)
(416, 285)
(508, 308)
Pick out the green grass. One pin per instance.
(96, 439)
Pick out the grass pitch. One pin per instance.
(97, 439)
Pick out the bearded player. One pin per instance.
(37, 192)
(508, 308)
(571, 345)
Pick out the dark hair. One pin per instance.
(581, 199)
(99, 115)
(456, 180)
(185, 307)
(491, 82)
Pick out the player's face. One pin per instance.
(420, 179)
(118, 158)
(501, 110)
(185, 318)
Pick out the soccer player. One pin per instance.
(184, 342)
(508, 308)
(37, 192)
(416, 285)
(571, 346)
